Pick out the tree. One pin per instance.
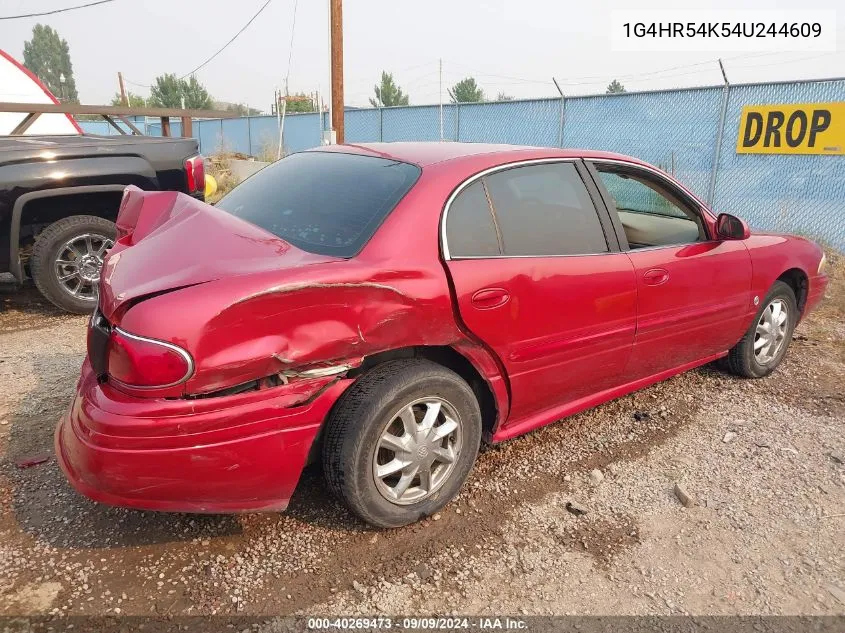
(196, 96)
(238, 108)
(48, 57)
(135, 101)
(166, 92)
(466, 91)
(388, 93)
(299, 103)
(503, 97)
(615, 87)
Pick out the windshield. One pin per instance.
(327, 203)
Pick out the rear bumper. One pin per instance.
(229, 454)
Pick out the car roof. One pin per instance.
(430, 153)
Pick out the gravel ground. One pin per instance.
(760, 461)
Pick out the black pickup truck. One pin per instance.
(59, 196)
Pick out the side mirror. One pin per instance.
(730, 227)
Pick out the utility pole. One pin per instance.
(336, 29)
(123, 98)
(441, 98)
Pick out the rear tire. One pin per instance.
(81, 241)
(764, 345)
(400, 442)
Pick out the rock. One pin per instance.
(683, 496)
(596, 476)
(357, 586)
(423, 571)
(639, 416)
(730, 436)
(33, 460)
(838, 457)
(576, 508)
(436, 517)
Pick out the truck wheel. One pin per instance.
(67, 258)
(400, 442)
(764, 345)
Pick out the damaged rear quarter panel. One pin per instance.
(256, 326)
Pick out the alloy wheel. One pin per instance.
(771, 332)
(79, 262)
(417, 451)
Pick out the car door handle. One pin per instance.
(488, 298)
(656, 276)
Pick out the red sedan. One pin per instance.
(383, 308)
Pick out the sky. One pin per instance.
(510, 46)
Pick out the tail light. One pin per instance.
(195, 172)
(145, 363)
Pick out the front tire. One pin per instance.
(400, 442)
(67, 258)
(764, 345)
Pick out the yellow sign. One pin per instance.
(792, 128)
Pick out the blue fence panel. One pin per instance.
(414, 123)
(264, 135)
(235, 136)
(302, 131)
(790, 193)
(672, 130)
(534, 122)
(209, 134)
(362, 126)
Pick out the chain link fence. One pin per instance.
(690, 133)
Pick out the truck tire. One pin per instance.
(400, 442)
(67, 258)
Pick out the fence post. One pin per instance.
(249, 134)
(380, 124)
(457, 121)
(717, 150)
(560, 128)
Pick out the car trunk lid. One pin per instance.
(168, 240)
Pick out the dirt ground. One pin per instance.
(764, 534)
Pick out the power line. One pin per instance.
(54, 11)
(290, 52)
(135, 83)
(234, 37)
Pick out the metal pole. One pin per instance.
(441, 99)
(457, 121)
(720, 132)
(337, 67)
(380, 123)
(561, 108)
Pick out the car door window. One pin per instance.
(650, 213)
(470, 230)
(545, 210)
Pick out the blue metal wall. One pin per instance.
(677, 130)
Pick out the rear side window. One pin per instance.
(322, 202)
(545, 210)
(470, 231)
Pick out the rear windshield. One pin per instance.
(322, 202)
